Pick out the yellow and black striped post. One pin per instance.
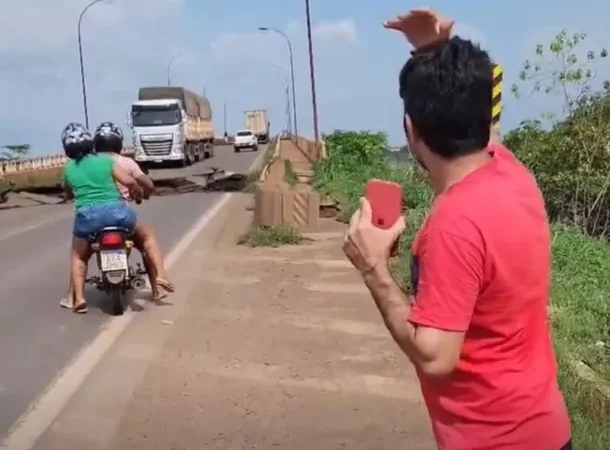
(496, 97)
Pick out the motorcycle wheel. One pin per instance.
(117, 295)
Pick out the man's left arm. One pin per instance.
(431, 332)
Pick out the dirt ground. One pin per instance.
(280, 349)
(266, 349)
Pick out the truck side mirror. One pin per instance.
(128, 119)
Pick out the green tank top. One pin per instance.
(91, 180)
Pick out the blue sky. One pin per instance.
(129, 43)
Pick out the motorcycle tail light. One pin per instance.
(111, 240)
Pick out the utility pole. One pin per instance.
(312, 75)
(225, 117)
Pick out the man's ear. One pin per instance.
(410, 130)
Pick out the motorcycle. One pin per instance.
(112, 247)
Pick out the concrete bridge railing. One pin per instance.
(278, 202)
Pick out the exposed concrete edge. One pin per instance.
(275, 154)
(593, 380)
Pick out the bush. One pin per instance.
(572, 163)
(356, 157)
(275, 236)
(570, 156)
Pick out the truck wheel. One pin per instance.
(256, 148)
(236, 149)
(184, 161)
(208, 152)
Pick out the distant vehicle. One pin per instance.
(245, 139)
(258, 122)
(171, 124)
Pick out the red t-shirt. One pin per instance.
(482, 265)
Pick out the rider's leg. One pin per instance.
(150, 269)
(80, 251)
(153, 251)
(68, 302)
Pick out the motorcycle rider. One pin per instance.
(91, 180)
(108, 139)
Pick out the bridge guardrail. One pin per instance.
(10, 167)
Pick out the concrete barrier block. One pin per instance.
(300, 208)
(268, 205)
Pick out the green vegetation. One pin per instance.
(290, 176)
(356, 157)
(254, 176)
(276, 236)
(570, 155)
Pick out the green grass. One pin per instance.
(276, 236)
(580, 300)
(290, 176)
(254, 176)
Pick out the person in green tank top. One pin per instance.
(91, 180)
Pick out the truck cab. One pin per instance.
(159, 128)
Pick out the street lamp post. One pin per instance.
(82, 65)
(312, 75)
(169, 68)
(288, 113)
(294, 97)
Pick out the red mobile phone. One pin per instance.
(386, 200)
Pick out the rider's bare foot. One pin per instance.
(166, 285)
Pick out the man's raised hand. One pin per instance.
(421, 27)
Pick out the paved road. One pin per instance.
(37, 337)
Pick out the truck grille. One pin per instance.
(157, 148)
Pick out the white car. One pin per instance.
(245, 139)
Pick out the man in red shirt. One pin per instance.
(475, 325)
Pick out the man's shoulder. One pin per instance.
(124, 161)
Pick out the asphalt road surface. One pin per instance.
(37, 337)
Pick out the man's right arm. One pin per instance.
(143, 180)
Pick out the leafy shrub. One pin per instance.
(354, 158)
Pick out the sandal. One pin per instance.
(65, 303)
(81, 308)
(166, 285)
(158, 297)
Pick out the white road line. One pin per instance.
(42, 223)
(41, 414)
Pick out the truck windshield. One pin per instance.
(150, 116)
(244, 133)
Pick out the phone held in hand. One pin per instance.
(386, 200)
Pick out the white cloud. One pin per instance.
(342, 30)
(246, 48)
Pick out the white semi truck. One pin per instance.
(171, 124)
(257, 121)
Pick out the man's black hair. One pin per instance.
(447, 94)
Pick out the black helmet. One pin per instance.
(76, 141)
(108, 138)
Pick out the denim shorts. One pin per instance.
(90, 219)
